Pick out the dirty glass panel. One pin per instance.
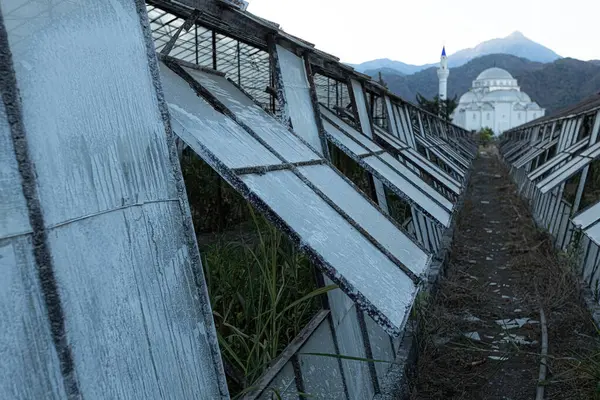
(97, 109)
(349, 130)
(344, 140)
(571, 167)
(97, 140)
(381, 347)
(197, 123)
(416, 180)
(548, 166)
(389, 139)
(426, 165)
(285, 383)
(443, 146)
(288, 145)
(29, 368)
(437, 211)
(357, 207)
(594, 233)
(460, 170)
(321, 375)
(297, 94)
(588, 216)
(150, 308)
(535, 153)
(351, 343)
(352, 256)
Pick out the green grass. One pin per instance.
(262, 294)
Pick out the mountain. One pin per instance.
(552, 85)
(515, 44)
(374, 65)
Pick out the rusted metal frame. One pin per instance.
(171, 59)
(214, 50)
(263, 169)
(360, 160)
(219, 106)
(317, 259)
(286, 355)
(222, 19)
(186, 26)
(195, 261)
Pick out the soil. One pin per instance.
(480, 334)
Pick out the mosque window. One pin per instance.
(474, 116)
(534, 115)
(488, 116)
(518, 115)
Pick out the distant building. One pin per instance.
(442, 74)
(495, 101)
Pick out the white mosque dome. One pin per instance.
(495, 100)
(494, 73)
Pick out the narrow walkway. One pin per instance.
(481, 333)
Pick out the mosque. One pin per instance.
(494, 101)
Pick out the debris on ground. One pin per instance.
(487, 307)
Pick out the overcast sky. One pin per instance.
(413, 31)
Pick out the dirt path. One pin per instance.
(481, 333)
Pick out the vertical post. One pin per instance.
(278, 80)
(214, 50)
(580, 188)
(239, 65)
(315, 103)
(196, 41)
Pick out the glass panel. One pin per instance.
(571, 167)
(437, 211)
(288, 145)
(344, 139)
(200, 125)
(427, 166)
(355, 260)
(389, 139)
(297, 94)
(350, 131)
(126, 268)
(588, 217)
(416, 180)
(548, 166)
(361, 106)
(594, 233)
(367, 216)
(30, 366)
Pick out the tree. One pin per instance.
(443, 108)
(486, 135)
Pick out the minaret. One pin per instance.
(443, 73)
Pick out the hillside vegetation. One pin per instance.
(553, 85)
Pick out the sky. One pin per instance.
(414, 31)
